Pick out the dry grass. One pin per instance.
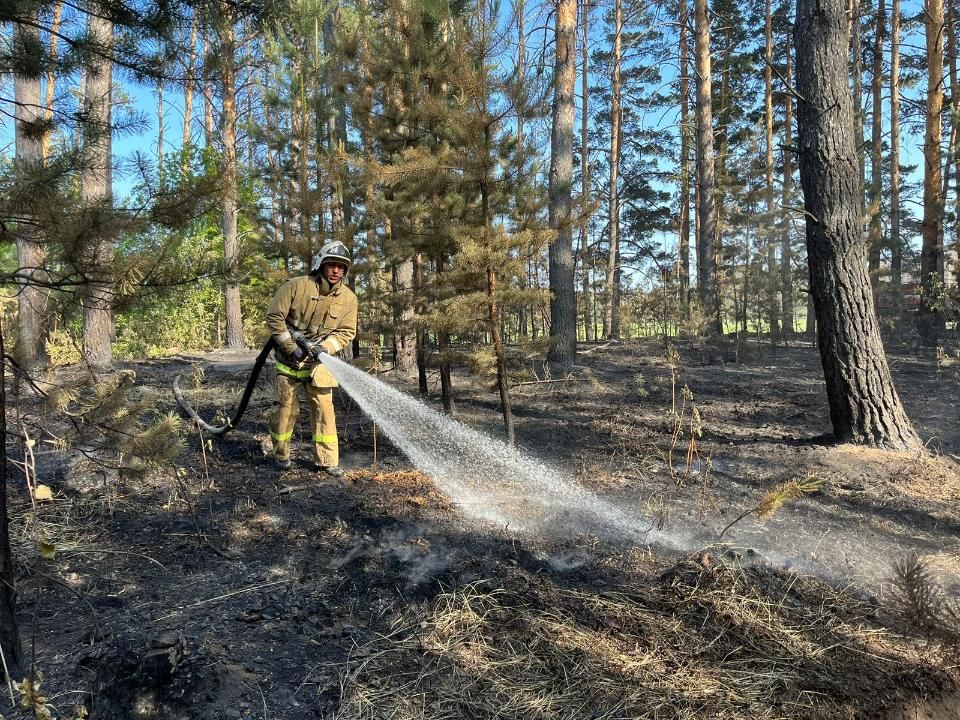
(67, 524)
(717, 642)
(918, 478)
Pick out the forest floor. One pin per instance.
(224, 588)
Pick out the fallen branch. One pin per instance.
(290, 489)
(569, 378)
(598, 347)
(199, 603)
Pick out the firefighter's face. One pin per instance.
(334, 272)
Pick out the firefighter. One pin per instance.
(324, 310)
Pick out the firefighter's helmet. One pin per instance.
(334, 251)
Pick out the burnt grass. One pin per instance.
(224, 588)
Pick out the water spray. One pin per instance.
(487, 478)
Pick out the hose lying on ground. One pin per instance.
(247, 392)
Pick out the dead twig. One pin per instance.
(98, 551)
(597, 347)
(218, 598)
(544, 382)
(6, 674)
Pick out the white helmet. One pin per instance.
(334, 251)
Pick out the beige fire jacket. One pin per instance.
(309, 304)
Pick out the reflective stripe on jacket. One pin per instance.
(321, 312)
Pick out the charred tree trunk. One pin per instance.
(9, 637)
(443, 348)
(563, 299)
(421, 334)
(864, 405)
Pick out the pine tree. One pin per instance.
(563, 310)
(864, 405)
(31, 131)
(708, 237)
(96, 191)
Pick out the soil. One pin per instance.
(221, 587)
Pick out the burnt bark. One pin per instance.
(864, 405)
(9, 637)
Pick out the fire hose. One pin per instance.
(310, 347)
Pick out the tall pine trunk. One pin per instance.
(896, 243)
(30, 141)
(864, 405)
(96, 194)
(51, 73)
(685, 147)
(161, 175)
(588, 328)
(188, 88)
(421, 333)
(611, 317)
(786, 235)
(950, 163)
(773, 307)
(876, 145)
(404, 339)
(443, 347)
(563, 299)
(931, 252)
(208, 86)
(951, 51)
(707, 225)
(228, 131)
(856, 83)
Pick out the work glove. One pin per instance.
(298, 355)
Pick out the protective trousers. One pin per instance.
(286, 409)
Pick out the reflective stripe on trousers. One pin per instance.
(323, 422)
